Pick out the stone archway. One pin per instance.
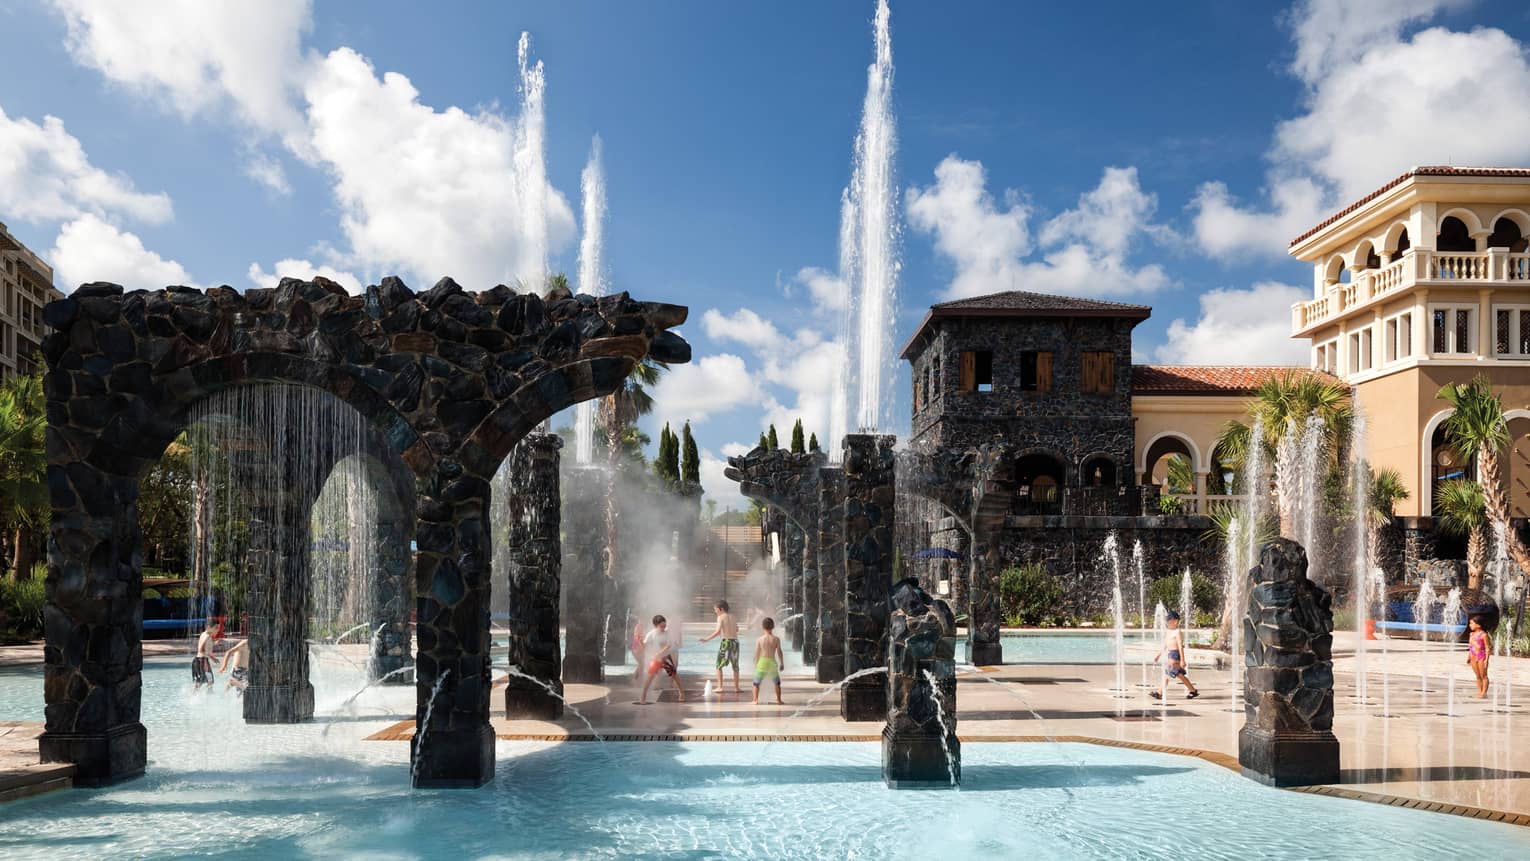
(451, 380)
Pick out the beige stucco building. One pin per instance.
(26, 285)
(1423, 282)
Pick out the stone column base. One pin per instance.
(919, 761)
(102, 759)
(831, 668)
(984, 654)
(1279, 758)
(583, 670)
(279, 703)
(531, 702)
(453, 759)
(382, 665)
(864, 699)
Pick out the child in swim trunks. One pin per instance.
(1478, 649)
(768, 660)
(727, 649)
(201, 664)
(239, 653)
(659, 646)
(1174, 664)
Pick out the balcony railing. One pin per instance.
(1495, 266)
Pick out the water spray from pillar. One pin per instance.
(592, 279)
(531, 168)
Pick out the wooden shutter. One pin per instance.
(1043, 372)
(1107, 372)
(969, 371)
(1098, 372)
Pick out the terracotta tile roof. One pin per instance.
(1023, 301)
(1206, 379)
(1426, 170)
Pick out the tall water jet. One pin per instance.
(1244, 534)
(1448, 618)
(869, 231)
(1118, 611)
(1423, 605)
(1142, 623)
(592, 280)
(530, 158)
(1186, 605)
(1361, 579)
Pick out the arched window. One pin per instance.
(1098, 471)
(1368, 258)
(1454, 236)
(1506, 234)
(1446, 463)
(1403, 244)
(1038, 484)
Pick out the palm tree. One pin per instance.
(1460, 507)
(616, 414)
(1281, 406)
(1477, 429)
(24, 502)
(1386, 489)
(1178, 476)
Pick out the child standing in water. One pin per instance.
(659, 645)
(727, 648)
(1478, 648)
(768, 660)
(201, 665)
(1174, 664)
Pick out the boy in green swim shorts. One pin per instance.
(768, 660)
(727, 648)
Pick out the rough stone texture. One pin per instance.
(278, 689)
(1070, 550)
(536, 563)
(584, 574)
(831, 575)
(1287, 737)
(921, 692)
(792, 547)
(870, 515)
(451, 380)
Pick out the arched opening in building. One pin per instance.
(1403, 244)
(1518, 471)
(1039, 480)
(1171, 477)
(1446, 464)
(1337, 272)
(1367, 258)
(1454, 236)
(1098, 471)
(1506, 234)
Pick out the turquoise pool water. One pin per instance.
(218, 787)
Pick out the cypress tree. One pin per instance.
(813, 442)
(775, 442)
(798, 447)
(690, 462)
(764, 443)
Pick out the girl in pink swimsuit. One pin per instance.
(1478, 649)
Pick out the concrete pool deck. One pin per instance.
(1468, 764)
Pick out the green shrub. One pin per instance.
(1205, 594)
(1029, 596)
(21, 605)
(1171, 505)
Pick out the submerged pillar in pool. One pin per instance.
(1287, 738)
(919, 744)
(831, 575)
(277, 565)
(584, 576)
(869, 521)
(535, 564)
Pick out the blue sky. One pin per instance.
(1120, 151)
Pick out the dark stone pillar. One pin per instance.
(811, 631)
(960, 574)
(919, 744)
(983, 619)
(93, 623)
(869, 527)
(584, 576)
(535, 564)
(279, 690)
(455, 747)
(791, 556)
(391, 650)
(1287, 738)
(831, 575)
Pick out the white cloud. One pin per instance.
(199, 55)
(735, 449)
(706, 386)
(1085, 249)
(828, 293)
(1379, 101)
(267, 170)
(292, 268)
(1238, 327)
(90, 249)
(742, 326)
(719, 486)
(431, 192)
(45, 175)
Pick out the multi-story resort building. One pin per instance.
(26, 285)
